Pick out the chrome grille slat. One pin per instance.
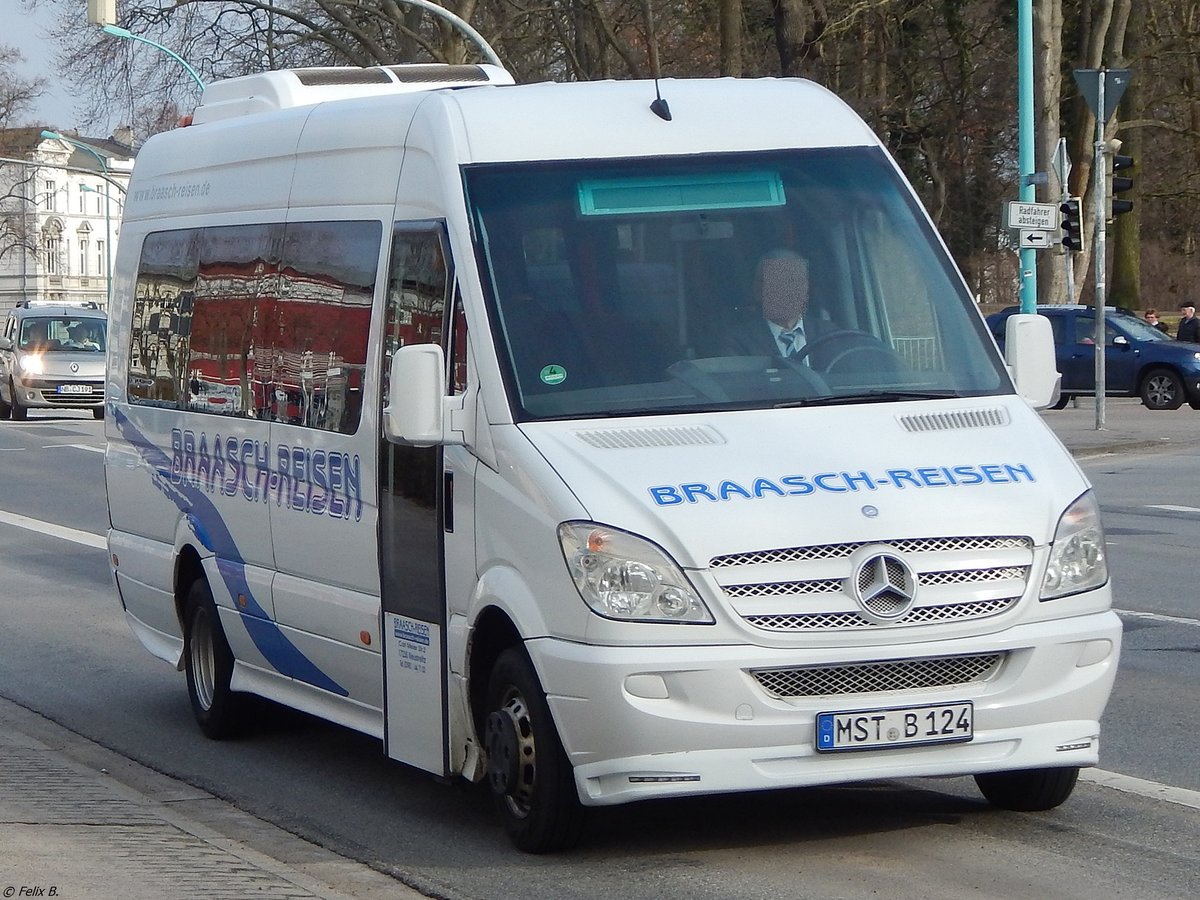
(784, 588)
(921, 615)
(841, 551)
(876, 677)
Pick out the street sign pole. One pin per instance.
(1102, 89)
(1099, 254)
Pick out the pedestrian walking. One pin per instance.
(1151, 317)
(1189, 325)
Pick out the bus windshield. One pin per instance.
(662, 285)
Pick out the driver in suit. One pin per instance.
(781, 285)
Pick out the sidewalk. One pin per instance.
(1128, 427)
(79, 821)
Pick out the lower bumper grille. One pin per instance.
(874, 677)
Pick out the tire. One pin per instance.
(529, 775)
(1162, 389)
(5, 408)
(98, 412)
(1062, 401)
(19, 412)
(209, 665)
(1028, 790)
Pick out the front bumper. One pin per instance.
(672, 721)
(46, 393)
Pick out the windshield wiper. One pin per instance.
(876, 396)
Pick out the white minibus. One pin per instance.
(599, 442)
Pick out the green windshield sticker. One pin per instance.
(554, 374)
(680, 193)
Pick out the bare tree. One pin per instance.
(17, 95)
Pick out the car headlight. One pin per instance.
(31, 364)
(1077, 556)
(621, 576)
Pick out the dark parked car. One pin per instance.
(1139, 360)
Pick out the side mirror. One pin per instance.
(1029, 353)
(6, 343)
(1120, 341)
(416, 413)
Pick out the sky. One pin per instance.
(27, 32)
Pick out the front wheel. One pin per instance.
(1162, 389)
(1028, 790)
(530, 777)
(19, 412)
(218, 710)
(97, 412)
(5, 408)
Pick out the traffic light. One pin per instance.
(1117, 184)
(1072, 226)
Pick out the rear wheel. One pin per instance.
(1028, 790)
(1162, 389)
(1062, 401)
(531, 780)
(209, 662)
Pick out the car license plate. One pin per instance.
(906, 726)
(74, 388)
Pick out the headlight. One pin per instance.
(621, 576)
(1077, 560)
(31, 364)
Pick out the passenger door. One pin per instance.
(424, 511)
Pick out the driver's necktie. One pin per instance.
(792, 341)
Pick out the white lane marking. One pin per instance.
(91, 447)
(1167, 507)
(1152, 789)
(1157, 617)
(59, 531)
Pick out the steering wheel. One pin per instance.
(847, 342)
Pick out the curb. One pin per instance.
(79, 820)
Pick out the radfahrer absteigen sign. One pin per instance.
(1033, 216)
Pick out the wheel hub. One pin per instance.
(512, 758)
(500, 737)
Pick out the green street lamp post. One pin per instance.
(118, 31)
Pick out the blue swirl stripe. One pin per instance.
(212, 532)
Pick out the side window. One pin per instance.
(458, 348)
(224, 334)
(256, 321)
(418, 282)
(1058, 325)
(162, 311)
(320, 323)
(1085, 327)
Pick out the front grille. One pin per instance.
(812, 589)
(874, 677)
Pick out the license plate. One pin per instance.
(906, 726)
(74, 388)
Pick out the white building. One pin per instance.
(60, 214)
